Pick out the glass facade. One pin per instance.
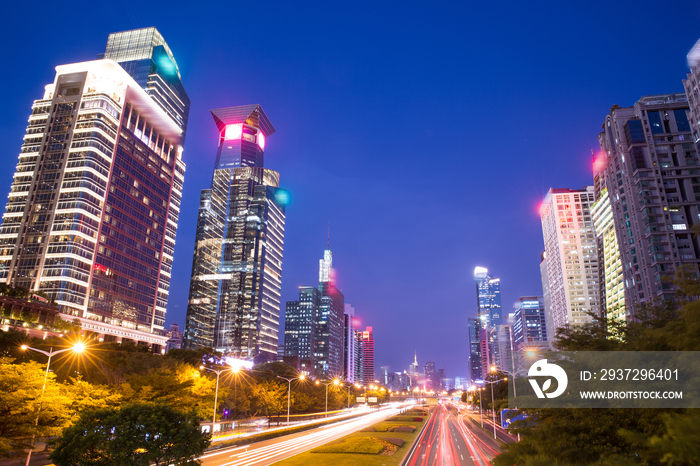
(299, 335)
(234, 299)
(145, 55)
(93, 210)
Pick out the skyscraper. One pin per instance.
(349, 344)
(474, 332)
(92, 215)
(145, 55)
(234, 302)
(365, 344)
(572, 256)
(653, 185)
(330, 322)
(488, 293)
(299, 328)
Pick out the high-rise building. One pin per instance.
(529, 323)
(431, 378)
(299, 326)
(349, 346)
(145, 55)
(329, 322)
(488, 294)
(529, 328)
(234, 301)
(365, 345)
(501, 348)
(653, 185)
(474, 332)
(93, 210)
(612, 290)
(572, 256)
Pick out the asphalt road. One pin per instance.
(271, 451)
(448, 441)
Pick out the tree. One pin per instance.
(138, 434)
(268, 398)
(22, 402)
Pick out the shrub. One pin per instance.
(394, 441)
(358, 445)
(402, 429)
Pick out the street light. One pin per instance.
(76, 348)
(494, 369)
(289, 390)
(493, 407)
(335, 382)
(216, 394)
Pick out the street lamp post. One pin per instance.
(335, 382)
(289, 390)
(494, 370)
(77, 348)
(216, 393)
(493, 407)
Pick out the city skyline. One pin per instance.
(344, 168)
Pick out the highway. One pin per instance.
(271, 451)
(448, 441)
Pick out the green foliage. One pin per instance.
(359, 445)
(138, 434)
(22, 402)
(269, 398)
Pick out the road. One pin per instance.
(502, 434)
(448, 441)
(271, 451)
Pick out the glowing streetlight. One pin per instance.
(76, 348)
(216, 394)
(335, 382)
(289, 390)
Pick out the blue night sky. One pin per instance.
(426, 133)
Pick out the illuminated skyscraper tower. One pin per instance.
(234, 303)
(92, 215)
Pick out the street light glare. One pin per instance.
(24, 347)
(493, 368)
(302, 377)
(317, 382)
(336, 382)
(79, 347)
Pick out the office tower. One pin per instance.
(384, 375)
(365, 345)
(234, 301)
(488, 293)
(330, 322)
(529, 329)
(93, 210)
(529, 324)
(653, 184)
(612, 290)
(299, 334)
(145, 55)
(431, 380)
(474, 332)
(572, 256)
(349, 347)
(500, 345)
(443, 381)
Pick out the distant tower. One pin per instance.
(349, 344)
(365, 340)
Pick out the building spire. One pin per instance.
(415, 358)
(329, 236)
